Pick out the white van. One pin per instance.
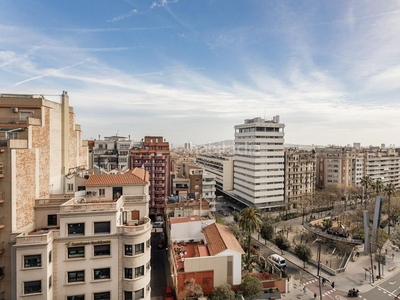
(278, 260)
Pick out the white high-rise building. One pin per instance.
(259, 163)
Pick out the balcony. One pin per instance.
(1, 197)
(161, 192)
(2, 220)
(82, 204)
(160, 164)
(43, 236)
(135, 227)
(134, 199)
(159, 185)
(2, 248)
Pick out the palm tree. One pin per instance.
(366, 182)
(250, 221)
(378, 187)
(390, 190)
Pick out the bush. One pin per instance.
(282, 242)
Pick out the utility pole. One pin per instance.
(319, 241)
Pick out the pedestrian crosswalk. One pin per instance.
(315, 281)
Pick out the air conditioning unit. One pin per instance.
(14, 109)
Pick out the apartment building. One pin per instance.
(347, 165)
(39, 145)
(259, 163)
(300, 176)
(203, 250)
(154, 156)
(219, 165)
(94, 245)
(178, 162)
(112, 152)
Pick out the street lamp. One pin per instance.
(319, 241)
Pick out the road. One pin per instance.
(385, 290)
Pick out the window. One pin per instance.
(139, 248)
(148, 265)
(50, 255)
(76, 252)
(128, 295)
(128, 273)
(70, 187)
(32, 287)
(139, 294)
(76, 228)
(51, 220)
(128, 250)
(101, 227)
(102, 296)
(148, 243)
(102, 192)
(76, 297)
(33, 261)
(103, 273)
(76, 276)
(50, 281)
(139, 271)
(100, 250)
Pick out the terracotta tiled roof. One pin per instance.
(184, 219)
(219, 238)
(128, 178)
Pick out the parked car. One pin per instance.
(169, 293)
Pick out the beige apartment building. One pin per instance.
(92, 245)
(39, 145)
(347, 165)
(300, 172)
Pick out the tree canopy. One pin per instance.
(303, 252)
(223, 292)
(249, 221)
(251, 287)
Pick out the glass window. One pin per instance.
(101, 227)
(32, 261)
(128, 250)
(76, 297)
(33, 287)
(76, 228)
(139, 248)
(50, 281)
(139, 271)
(100, 250)
(139, 294)
(51, 220)
(76, 276)
(128, 295)
(103, 273)
(148, 243)
(50, 255)
(102, 192)
(128, 273)
(75, 252)
(102, 296)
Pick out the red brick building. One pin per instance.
(154, 156)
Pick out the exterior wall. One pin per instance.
(259, 163)
(205, 279)
(300, 172)
(34, 168)
(221, 167)
(186, 231)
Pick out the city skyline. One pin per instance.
(191, 70)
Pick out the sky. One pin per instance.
(190, 70)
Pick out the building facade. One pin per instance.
(219, 165)
(259, 163)
(112, 152)
(154, 156)
(40, 144)
(300, 176)
(94, 245)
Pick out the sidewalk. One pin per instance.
(355, 276)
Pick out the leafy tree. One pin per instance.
(267, 230)
(389, 190)
(281, 242)
(191, 289)
(223, 292)
(249, 221)
(327, 223)
(251, 287)
(303, 252)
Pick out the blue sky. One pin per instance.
(190, 70)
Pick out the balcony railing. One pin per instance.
(38, 237)
(142, 226)
(132, 198)
(83, 205)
